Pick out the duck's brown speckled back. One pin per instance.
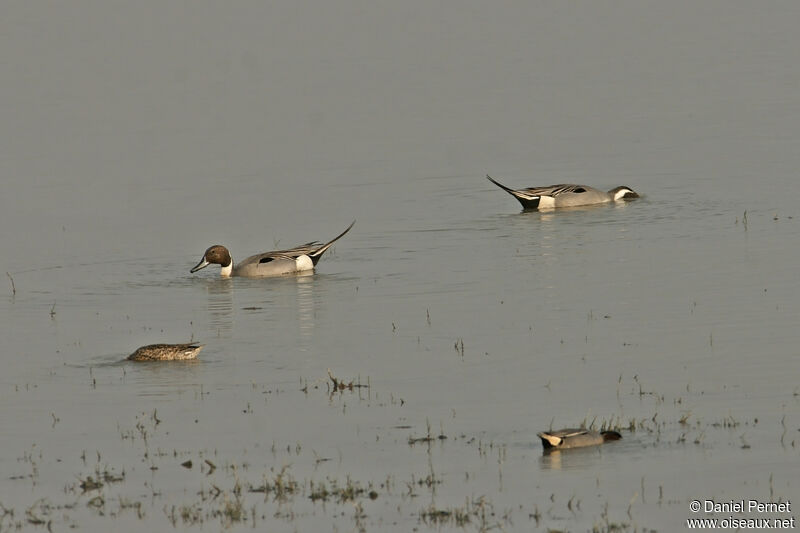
(166, 352)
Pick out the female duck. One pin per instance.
(553, 196)
(276, 263)
(166, 352)
(575, 438)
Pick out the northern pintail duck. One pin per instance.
(552, 196)
(166, 352)
(575, 438)
(276, 263)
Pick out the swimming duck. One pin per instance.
(575, 438)
(564, 195)
(166, 352)
(276, 263)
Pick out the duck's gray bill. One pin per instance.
(202, 264)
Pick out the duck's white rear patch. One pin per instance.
(304, 262)
(546, 202)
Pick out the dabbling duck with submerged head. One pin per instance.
(565, 195)
(167, 352)
(276, 263)
(575, 438)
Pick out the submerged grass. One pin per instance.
(230, 493)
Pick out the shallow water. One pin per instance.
(130, 142)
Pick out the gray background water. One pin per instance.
(134, 135)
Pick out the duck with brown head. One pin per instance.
(301, 258)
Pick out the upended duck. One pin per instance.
(166, 352)
(575, 438)
(276, 263)
(566, 195)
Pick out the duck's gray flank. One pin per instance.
(566, 195)
(275, 263)
(575, 438)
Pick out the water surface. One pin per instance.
(133, 137)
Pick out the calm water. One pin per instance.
(134, 136)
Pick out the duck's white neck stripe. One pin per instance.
(620, 194)
(226, 270)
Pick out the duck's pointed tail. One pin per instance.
(507, 189)
(316, 254)
(528, 201)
